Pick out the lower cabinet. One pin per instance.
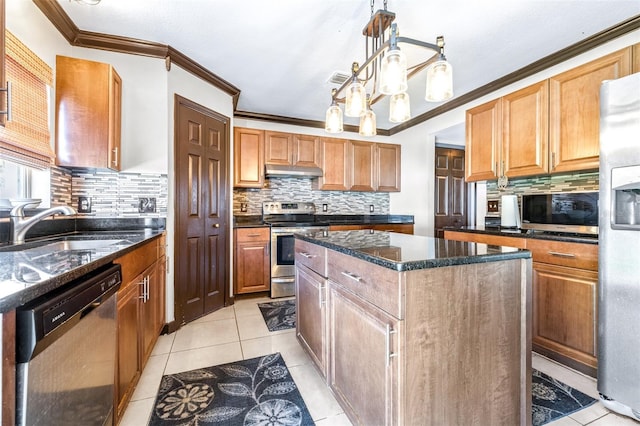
(140, 315)
(252, 262)
(365, 358)
(402, 228)
(311, 315)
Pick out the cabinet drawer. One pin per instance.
(380, 286)
(312, 256)
(135, 262)
(574, 255)
(252, 234)
(493, 240)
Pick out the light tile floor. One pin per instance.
(239, 332)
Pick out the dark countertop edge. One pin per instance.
(28, 294)
(421, 264)
(256, 222)
(534, 235)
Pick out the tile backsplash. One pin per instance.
(300, 189)
(574, 182)
(112, 194)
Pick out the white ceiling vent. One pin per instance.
(338, 77)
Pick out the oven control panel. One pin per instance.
(278, 207)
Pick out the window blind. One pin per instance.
(26, 138)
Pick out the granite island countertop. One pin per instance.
(404, 252)
(252, 221)
(37, 269)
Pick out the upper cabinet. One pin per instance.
(248, 158)
(292, 149)
(574, 105)
(548, 127)
(88, 114)
(387, 170)
(335, 165)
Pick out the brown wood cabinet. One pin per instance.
(252, 260)
(483, 141)
(565, 277)
(140, 315)
(88, 114)
(362, 158)
(508, 136)
(393, 375)
(248, 158)
(292, 149)
(311, 300)
(574, 125)
(525, 131)
(387, 167)
(335, 165)
(403, 228)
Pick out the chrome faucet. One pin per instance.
(20, 225)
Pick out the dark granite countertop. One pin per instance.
(403, 252)
(341, 219)
(555, 236)
(37, 269)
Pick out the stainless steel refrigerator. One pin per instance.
(619, 246)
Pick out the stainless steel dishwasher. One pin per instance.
(65, 353)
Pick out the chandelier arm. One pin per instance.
(411, 71)
(420, 43)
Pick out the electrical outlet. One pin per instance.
(146, 205)
(371, 208)
(84, 204)
(325, 207)
(243, 207)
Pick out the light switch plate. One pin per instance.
(84, 204)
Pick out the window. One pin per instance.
(18, 181)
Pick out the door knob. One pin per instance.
(217, 225)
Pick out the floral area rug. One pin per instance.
(279, 315)
(257, 391)
(552, 399)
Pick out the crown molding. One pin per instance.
(77, 37)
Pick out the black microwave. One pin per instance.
(561, 212)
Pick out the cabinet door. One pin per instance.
(335, 153)
(402, 228)
(278, 148)
(364, 358)
(574, 127)
(483, 141)
(311, 315)
(248, 158)
(525, 131)
(564, 312)
(387, 164)
(128, 362)
(253, 267)
(115, 120)
(151, 308)
(362, 166)
(307, 151)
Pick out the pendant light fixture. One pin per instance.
(356, 95)
(333, 119)
(385, 72)
(368, 121)
(399, 108)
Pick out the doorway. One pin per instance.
(201, 251)
(450, 199)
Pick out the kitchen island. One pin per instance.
(417, 330)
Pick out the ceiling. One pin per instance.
(281, 53)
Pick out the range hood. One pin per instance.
(281, 170)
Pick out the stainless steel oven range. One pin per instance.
(287, 219)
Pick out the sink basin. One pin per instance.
(68, 245)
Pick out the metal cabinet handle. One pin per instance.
(352, 276)
(8, 110)
(143, 283)
(147, 292)
(250, 235)
(387, 345)
(558, 254)
(553, 160)
(115, 157)
(307, 255)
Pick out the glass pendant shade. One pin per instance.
(399, 108)
(333, 120)
(355, 100)
(368, 123)
(393, 75)
(439, 81)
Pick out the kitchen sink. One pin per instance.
(68, 245)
